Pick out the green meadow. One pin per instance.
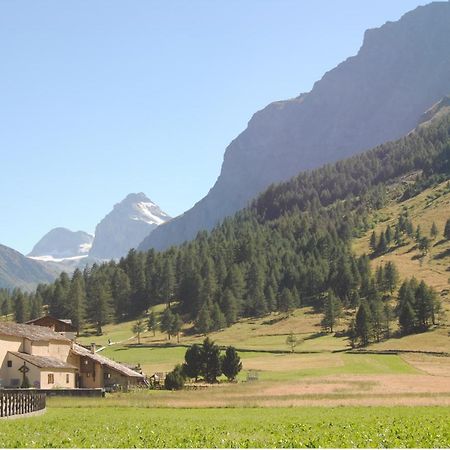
(230, 427)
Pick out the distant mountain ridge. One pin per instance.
(126, 226)
(401, 70)
(61, 243)
(16, 270)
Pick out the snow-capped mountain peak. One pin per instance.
(126, 226)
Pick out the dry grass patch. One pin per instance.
(430, 364)
(437, 340)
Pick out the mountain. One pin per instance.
(378, 95)
(16, 270)
(125, 226)
(294, 246)
(61, 243)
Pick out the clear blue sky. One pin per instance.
(100, 98)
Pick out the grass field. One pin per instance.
(119, 427)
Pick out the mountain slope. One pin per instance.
(378, 95)
(125, 226)
(430, 206)
(61, 243)
(291, 247)
(17, 270)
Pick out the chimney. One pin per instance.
(93, 347)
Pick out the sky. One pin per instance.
(101, 98)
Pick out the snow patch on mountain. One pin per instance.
(146, 213)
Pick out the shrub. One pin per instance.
(175, 380)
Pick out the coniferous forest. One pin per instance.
(289, 248)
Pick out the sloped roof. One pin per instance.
(65, 322)
(31, 332)
(124, 370)
(44, 362)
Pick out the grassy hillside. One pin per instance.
(262, 341)
(432, 205)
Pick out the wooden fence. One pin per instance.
(19, 402)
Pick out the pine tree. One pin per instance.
(434, 230)
(36, 306)
(193, 361)
(407, 318)
(388, 317)
(424, 245)
(391, 276)
(212, 367)
(236, 282)
(332, 311)
(166, 322)
(176, 326)
(100, 307)
(20, 308)
(58, 301)
(77, 300)
(5, 307)
(382, 244)
(167, 282)
(271, 298)
(373, 242)
(447, 230)
(388, 234)
(363, 324)
(152, 324)
(409, 228)
(121, 293)
(418, 233)
(344, 281)
(424, 305)
(230, 307)
(398, 238)
(138, 329)
(286, 302)
(380, 279)
(218, 318)
(378, 318)
(203, 323)
(231, 363)
(136, 272)
(256, 301)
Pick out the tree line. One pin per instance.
(289, 248)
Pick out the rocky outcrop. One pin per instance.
(401, 70)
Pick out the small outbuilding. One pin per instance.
(59, 325)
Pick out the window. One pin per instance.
(51, 378)
(9, 363)
(67, 378)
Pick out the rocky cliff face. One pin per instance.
(125, 226)
(401, 70)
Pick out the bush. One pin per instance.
(175, 380)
